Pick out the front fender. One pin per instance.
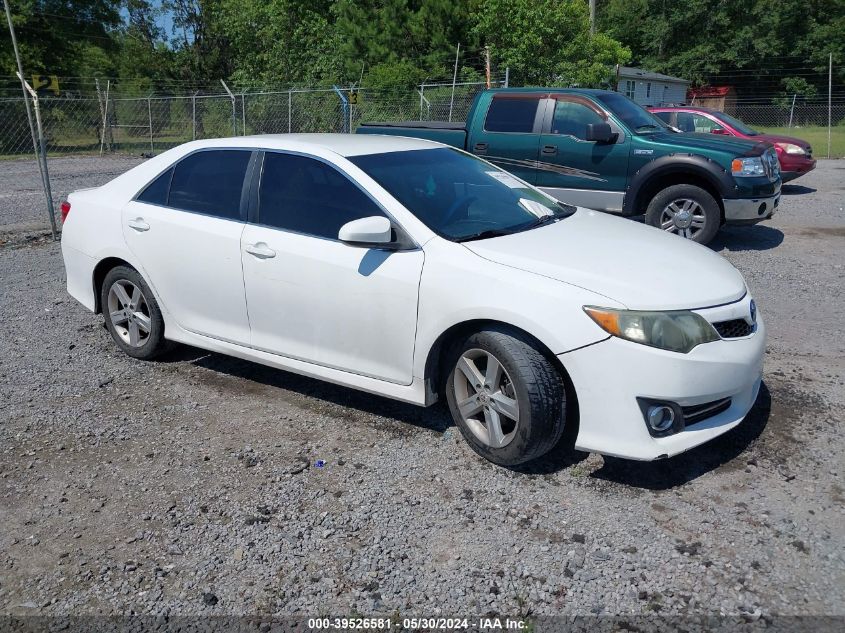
(670, 164)
(458, 286)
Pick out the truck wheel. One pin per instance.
(507, 399)
(685, 210)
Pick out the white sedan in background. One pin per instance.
(409, 269)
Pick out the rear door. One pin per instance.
(509, 133)
(575, 170)
(185, 230)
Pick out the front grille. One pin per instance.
(735, 328)
(700, 412)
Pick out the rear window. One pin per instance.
(156, 191)
(509, 114)
(210, 182)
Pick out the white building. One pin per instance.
(651, 89)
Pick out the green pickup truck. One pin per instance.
(600, 150)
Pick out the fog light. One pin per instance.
(660, 417)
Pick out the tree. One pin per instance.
(548, 42)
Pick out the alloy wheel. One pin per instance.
(486, 398)
(683, 217)
(129, 313)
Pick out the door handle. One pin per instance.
(549, 150)
(139, 225)
(260, 250)
(481, 148)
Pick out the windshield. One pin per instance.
(458, 196)
(736, 124)
(633, 115)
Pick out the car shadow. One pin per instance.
(435, 418)
(746, 238)
(681, 469)
(796, 190)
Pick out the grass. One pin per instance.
(815, 136)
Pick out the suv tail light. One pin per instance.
(65, 207)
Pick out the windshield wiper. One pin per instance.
(647, 126)
(483, 235)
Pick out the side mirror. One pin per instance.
(372, 232)
(718, 130)
(600, 132)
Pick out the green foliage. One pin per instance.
(697, 38)
(548, 42)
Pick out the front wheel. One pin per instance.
(685, 210)
(506, 397)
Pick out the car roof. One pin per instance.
(578, 91)
(688, 107)
(341, 144)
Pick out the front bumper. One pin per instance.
(750, 210)
(795, 167)
(609, 377)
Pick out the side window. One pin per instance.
(686, 122)
(210, 182)
(511, 114)
(665, 116)
(571, 119)
(308, 196)
(156, 191)
(704, 124)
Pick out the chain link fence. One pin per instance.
(90, 138)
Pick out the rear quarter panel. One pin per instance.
(455, 138)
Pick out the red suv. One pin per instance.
(795, 155)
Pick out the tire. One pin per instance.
(137, 326)
(527, 377)
(685, 210)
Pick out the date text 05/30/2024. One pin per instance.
(413, 624)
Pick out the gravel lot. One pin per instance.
(190, 486)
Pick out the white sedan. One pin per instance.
(411, 270)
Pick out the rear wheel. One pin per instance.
(132, 314)
(685, 210)
(505, 396)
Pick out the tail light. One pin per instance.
(65, 207)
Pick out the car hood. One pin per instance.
(680, 142)
(636, 265)
(777, 138)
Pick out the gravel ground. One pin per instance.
(191, 485)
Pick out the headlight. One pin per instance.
(676, 331)
(750, 166)
(791, 148)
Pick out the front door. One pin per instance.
(314, 298)
(185, 231)
(575, 170)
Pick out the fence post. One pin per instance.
(45, 174)
(234, 109)
(454, 79)
(345, 105)
(507, 76)
(150, 113)
(829, 108)
(105, 112)
(290, 103)
(792, 109)
(45, 178)
(243, 112)
(194, 116)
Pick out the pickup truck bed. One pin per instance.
(450, 133)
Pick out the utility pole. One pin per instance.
(487, 64)
(37, 143)
(454, 79)
(592, 17)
